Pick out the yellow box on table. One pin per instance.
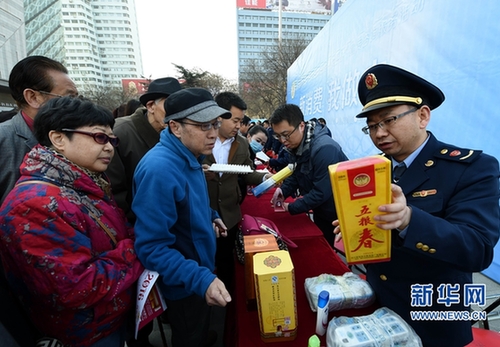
(254, 244)
(359, 187)
(276, 299)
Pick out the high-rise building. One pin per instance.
(97, 40)
(12, 46)
(44, 32)
(259, 23)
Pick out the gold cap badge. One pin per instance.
(371, 81)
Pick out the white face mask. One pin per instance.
(256, 146)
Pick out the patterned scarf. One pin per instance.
(97, 177)
(309, 134)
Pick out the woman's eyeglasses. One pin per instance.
(100, 138)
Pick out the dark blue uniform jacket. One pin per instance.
(454, 196)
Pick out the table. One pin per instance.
(312, 257)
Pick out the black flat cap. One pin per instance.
(386, 85)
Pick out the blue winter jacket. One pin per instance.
(174, 233)
(311, 175)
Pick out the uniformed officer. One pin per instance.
(444, 214)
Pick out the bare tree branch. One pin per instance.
(203, 79)
(264, 81)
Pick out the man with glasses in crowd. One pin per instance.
(175, 227)
(444, 214)
(312, 150)
(225, 191)
(32, 82)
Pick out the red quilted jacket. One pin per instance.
(76, 284)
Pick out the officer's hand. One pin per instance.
(220, 228)
(397, 214)
(217, 294)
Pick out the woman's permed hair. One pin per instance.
(69, 112)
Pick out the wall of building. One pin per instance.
(258, 29)
(12, 46)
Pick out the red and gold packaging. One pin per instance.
(359, 187)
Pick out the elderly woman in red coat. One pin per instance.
(66, 247)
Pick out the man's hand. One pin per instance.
(336, 230)
(217, 294)
(397, 214)
(209, 175)
(220, 228)
(276, 193)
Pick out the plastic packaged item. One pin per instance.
(273, 180)
(346, 291)
(322, 313)
(383, 328)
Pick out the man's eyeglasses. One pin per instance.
(388, 122)
(51, 94)
(205, 126)
(286, 137)
(57, 95)
(100, 138)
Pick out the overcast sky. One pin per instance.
(192, 33)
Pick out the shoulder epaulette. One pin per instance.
(457, 154)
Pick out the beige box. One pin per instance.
(359, 187)
(254, 244)
(276, 299)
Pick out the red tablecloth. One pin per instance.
(297, 226)
(312, 257)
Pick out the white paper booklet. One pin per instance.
(231, 168)
(262, 156)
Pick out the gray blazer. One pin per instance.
(16, 139)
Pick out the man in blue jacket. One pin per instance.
(444, 216)
(312, 151)
(175, 227)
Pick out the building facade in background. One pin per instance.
(44, 30)
(12, 46)
(97, 40)
(258, 25)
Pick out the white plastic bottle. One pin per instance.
(322, 313)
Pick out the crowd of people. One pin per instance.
(90, 198)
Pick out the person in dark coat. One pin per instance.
(444, 214)
(32, 82)
(312, 151)
(138, 133)
(224, 189)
